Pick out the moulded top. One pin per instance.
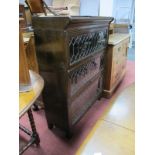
(61, 22)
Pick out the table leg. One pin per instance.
(33, 127)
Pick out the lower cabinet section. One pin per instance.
(84, 100)
(69, 94)
(64, 112)
(116, 57)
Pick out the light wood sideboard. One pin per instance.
(116, 58)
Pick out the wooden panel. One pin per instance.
(84, 100)
(115, 62)
(22, 16)
(31, 55)
(24, 77)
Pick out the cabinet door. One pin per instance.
(84, 100)
(24, 76)
(119, 61)
(80, 76)
(116, 63)
(124, 53)
(86, 43)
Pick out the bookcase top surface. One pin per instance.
(64, 21)
(76, 17)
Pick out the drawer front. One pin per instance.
(125, 53)
(81, 75)
(80, 105)
(116, 76)
(116, 72)
(119, 61)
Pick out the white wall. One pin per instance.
(123, 9)
(106, 7)
(89, 7)
(48, 2)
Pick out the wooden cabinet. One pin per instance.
(115, 59)
(24, 76)
(31, 53)
(22, 16)
(70, 52)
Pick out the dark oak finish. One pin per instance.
(70, 52)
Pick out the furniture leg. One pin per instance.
(33, 127)
(35, 107)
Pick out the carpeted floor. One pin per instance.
(52, 144)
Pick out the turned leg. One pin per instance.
(33, 127)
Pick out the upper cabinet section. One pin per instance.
(70, 39)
